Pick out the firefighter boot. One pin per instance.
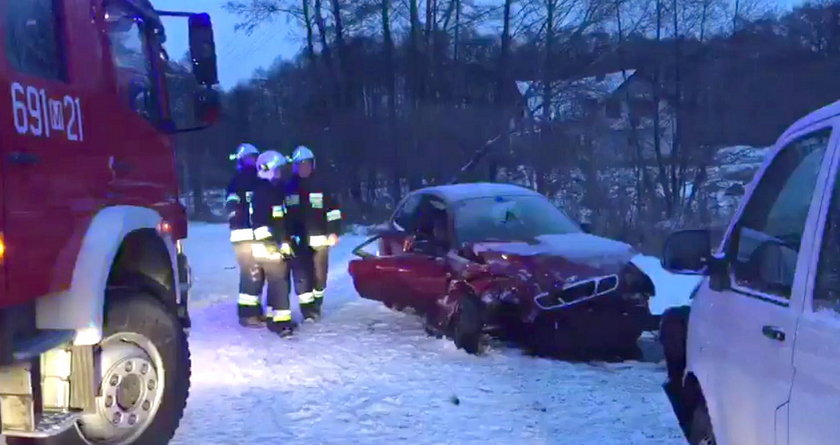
(317, 305)
(309, 306)
(250, 313)
(281, 323)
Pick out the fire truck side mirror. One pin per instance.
(203, 50)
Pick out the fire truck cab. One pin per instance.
(93, 278)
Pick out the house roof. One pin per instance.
(569, 94)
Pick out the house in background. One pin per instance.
(610, 115)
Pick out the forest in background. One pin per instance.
(393, 95)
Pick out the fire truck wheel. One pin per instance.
(145, 361)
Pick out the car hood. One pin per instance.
(567, 258)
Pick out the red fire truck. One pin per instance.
(93, 278)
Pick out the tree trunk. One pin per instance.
(457, 45)
(390, 76)
(414, 53)
(657, 120)
(504, 56)
(547, 77)
(675, 151)
(343, 63)
(326, 52)
(310, 32)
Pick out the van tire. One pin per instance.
(140, 313)
(701, 432)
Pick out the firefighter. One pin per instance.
(239, 205)
(272, 249)
(314, 222)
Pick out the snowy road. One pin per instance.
(367, 375)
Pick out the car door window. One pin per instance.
(768, 237)
(827, 286)
(33, 45)
(405, 217)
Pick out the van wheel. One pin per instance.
(145, 362)
(701, 428)
(468, 330)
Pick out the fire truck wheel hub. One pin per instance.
(131, 390)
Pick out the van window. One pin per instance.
(827, 287)
(770, 231)
(130, 49)
(32, 38)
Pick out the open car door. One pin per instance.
(374, 275)
(412, 278)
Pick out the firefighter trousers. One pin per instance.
(277, 275)
(251, 281)
(310, 271)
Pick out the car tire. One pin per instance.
(701, 432)
(134, 315)
(468, 329)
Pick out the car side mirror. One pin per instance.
(586, 227)
(203, 50)
(688, 252)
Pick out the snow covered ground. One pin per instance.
(368, 375)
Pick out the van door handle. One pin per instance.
(773, 333)
(22, 158)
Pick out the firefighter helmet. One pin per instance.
(301, 154)
(269, 163)
(244, 150)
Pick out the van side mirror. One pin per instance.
(688, 252)
(203, 50)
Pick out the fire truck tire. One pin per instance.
(141, 331)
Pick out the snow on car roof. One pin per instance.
(460, 192)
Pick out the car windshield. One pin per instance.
(509, 218)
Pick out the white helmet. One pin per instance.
(244, 150)
(301, 154)
(269, 164)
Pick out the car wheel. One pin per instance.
(468, 331)
(701, 428)
(145, 378)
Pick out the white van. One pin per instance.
(755, 360)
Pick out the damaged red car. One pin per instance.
(496, 259)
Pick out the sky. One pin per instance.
(239, 54)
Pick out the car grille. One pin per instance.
(577, 292)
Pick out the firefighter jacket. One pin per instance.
(239, 204)
(312, 211)
(270, 212)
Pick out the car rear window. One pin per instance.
(509, 218)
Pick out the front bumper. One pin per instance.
(603, 323)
